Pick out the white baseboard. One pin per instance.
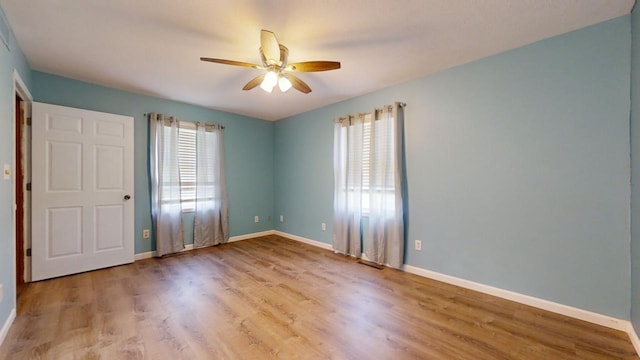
(150, 254)
(316, 243)
(634, 338)
(144, 255)
(251, 236)
(557, 308)
(188, 247)
(7, 325)
(599, 319)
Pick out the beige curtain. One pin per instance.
(384, 242)
(211, 223)
(368, 180)
(348, 187)
(166, 209)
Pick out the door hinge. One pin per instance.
(29, 120)
(29, 252)
(28, 186)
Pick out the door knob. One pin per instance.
(127, 197)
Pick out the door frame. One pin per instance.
(19, 89)
(18, 184)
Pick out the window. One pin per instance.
(186, 165)
(376, 158)
(186, 171)
(367, 203)
(371, 174)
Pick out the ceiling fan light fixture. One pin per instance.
(270, 80)
(284, 83)
(277, 70)
(264, 86)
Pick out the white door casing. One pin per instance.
(82, 172)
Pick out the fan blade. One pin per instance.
(284, 55)
(310, 66)
(232, 62)
(299, 84)
(269, 47)
(253, 83)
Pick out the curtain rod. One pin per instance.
(346, 117)
(206, 123)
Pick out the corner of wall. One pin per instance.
(7, 325)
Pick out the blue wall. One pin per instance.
(518, 169)
(635, 170)
(249, 159)
(9, 61)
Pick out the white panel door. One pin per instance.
(82, 190)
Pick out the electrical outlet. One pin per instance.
(7, 171)
(146, 233)
(256, 219)
(419, 245)
(324, 227)
(281, 218)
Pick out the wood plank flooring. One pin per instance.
(274, 298)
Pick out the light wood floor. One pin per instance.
(276, 298)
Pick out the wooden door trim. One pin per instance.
(19, 191)
(19, 89)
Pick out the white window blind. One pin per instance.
(377, 166)
(378, 155)
(187, 168)
(187, 164)
(382, 157)
(366, 153)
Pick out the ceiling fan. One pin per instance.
(274, 59)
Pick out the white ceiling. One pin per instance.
(153, 46)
